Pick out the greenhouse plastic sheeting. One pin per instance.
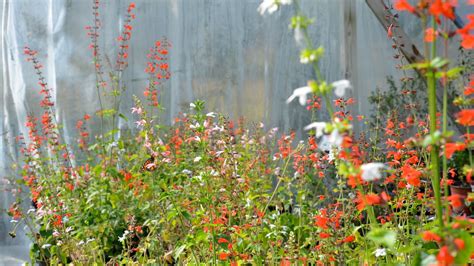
(223, 51)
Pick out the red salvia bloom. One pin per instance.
(444, 257)
(411, 175)
(430, 236)
(451, 148)
(456, 200)
(430, 35)
(442, 8)
(466, 117)
(403, 5)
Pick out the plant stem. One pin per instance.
(435, 162)
(445, 127)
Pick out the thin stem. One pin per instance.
(435, 162)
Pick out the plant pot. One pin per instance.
(462, 190)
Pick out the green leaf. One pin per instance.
(178, 251)
(383, 236)
(123, 117)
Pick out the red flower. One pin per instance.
(459, 243)
(467, 41)
(444, 257)
(223, 256)
(430, 236)
(451, 148)
(411, 175)
(321, 221)
(403, 5)
(456, 200)
(467, 38)
(324, 235)
(222, 240)
(430, 35)
(440, 8)
(367, 200)
(348, 239)
(466, 116)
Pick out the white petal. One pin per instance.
(335, 138)
(299, 39)
(371, 171)
(341, 86)
(318, 126)
(301, 94)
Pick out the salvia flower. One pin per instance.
(372, 171)
(341, 86)
(271, 6)
(301, 93)
(319, 127)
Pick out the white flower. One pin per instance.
(195, 125)
(45, 246)
(211, 114)
(192, 105)
(301, 94)
(335, 139)
(187, 172)
(371, 171)
(318, 127)
(69, 229)
(380, 252)
(271, 6)
(197, 159)
(299, 38)
(341, 86)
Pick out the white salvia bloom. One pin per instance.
(192, 105)
(271, 6)
(301, 94)
(371, 171)
(195, 125)
(187, 172)
(341, 86)
(211, 114)
(45, 246)
(197, 159)
(335, 138)
(318, 127)
(380, 252)
(299, 38)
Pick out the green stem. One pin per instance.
(435, 162)
(445, 128)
